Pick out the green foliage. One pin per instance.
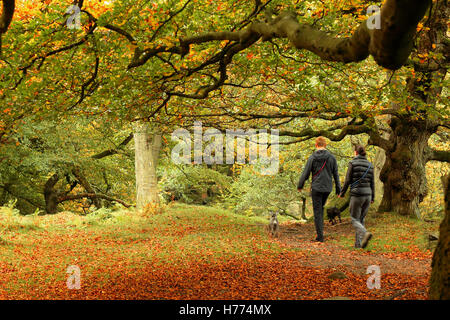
(193, 184)
(255, 194)
(9, 210)
(38, 149)
(12, 220)
(395, 233)
(101, 214)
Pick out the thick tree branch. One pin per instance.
(92, 196)
(390, 45)
(309, 133)
(377, 140)
(86, 185)
(439, 155)
(111, 152)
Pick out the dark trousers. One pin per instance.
(318, 201)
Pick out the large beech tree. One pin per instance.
(391, 45)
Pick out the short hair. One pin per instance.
(360, 150)
(321, 142)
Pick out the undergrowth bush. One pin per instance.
(11, 219)
(193, 184)
(255, 194)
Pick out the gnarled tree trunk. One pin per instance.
(403, 173)
(147, 145)
(51, 194)
(407, 151)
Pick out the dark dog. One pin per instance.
(332, 213)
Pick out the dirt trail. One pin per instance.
(330, 254)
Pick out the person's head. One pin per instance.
(359, 150)
(321, 143)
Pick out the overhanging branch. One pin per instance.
(92, 196)
(390, 45)
(111, 152)
(439, 155)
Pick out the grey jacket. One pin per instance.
(322, 181)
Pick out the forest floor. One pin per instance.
(194, 252)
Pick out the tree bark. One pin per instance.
(147, 147)
(303, 213)
(69, 197)
(86, 185)
(390, 45)
(51, 195)
(403, 173)
(378, 163)
(407, 151)
(440, 274)
(7, 15)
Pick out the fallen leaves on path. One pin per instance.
(181, 261)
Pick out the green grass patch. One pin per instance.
(394, 233)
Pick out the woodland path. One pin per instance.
(329, 254)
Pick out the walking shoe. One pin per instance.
(366, 239)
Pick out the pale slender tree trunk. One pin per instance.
(378, 163)
(147, 144)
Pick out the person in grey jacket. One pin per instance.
(360, 178)
(322, 165)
